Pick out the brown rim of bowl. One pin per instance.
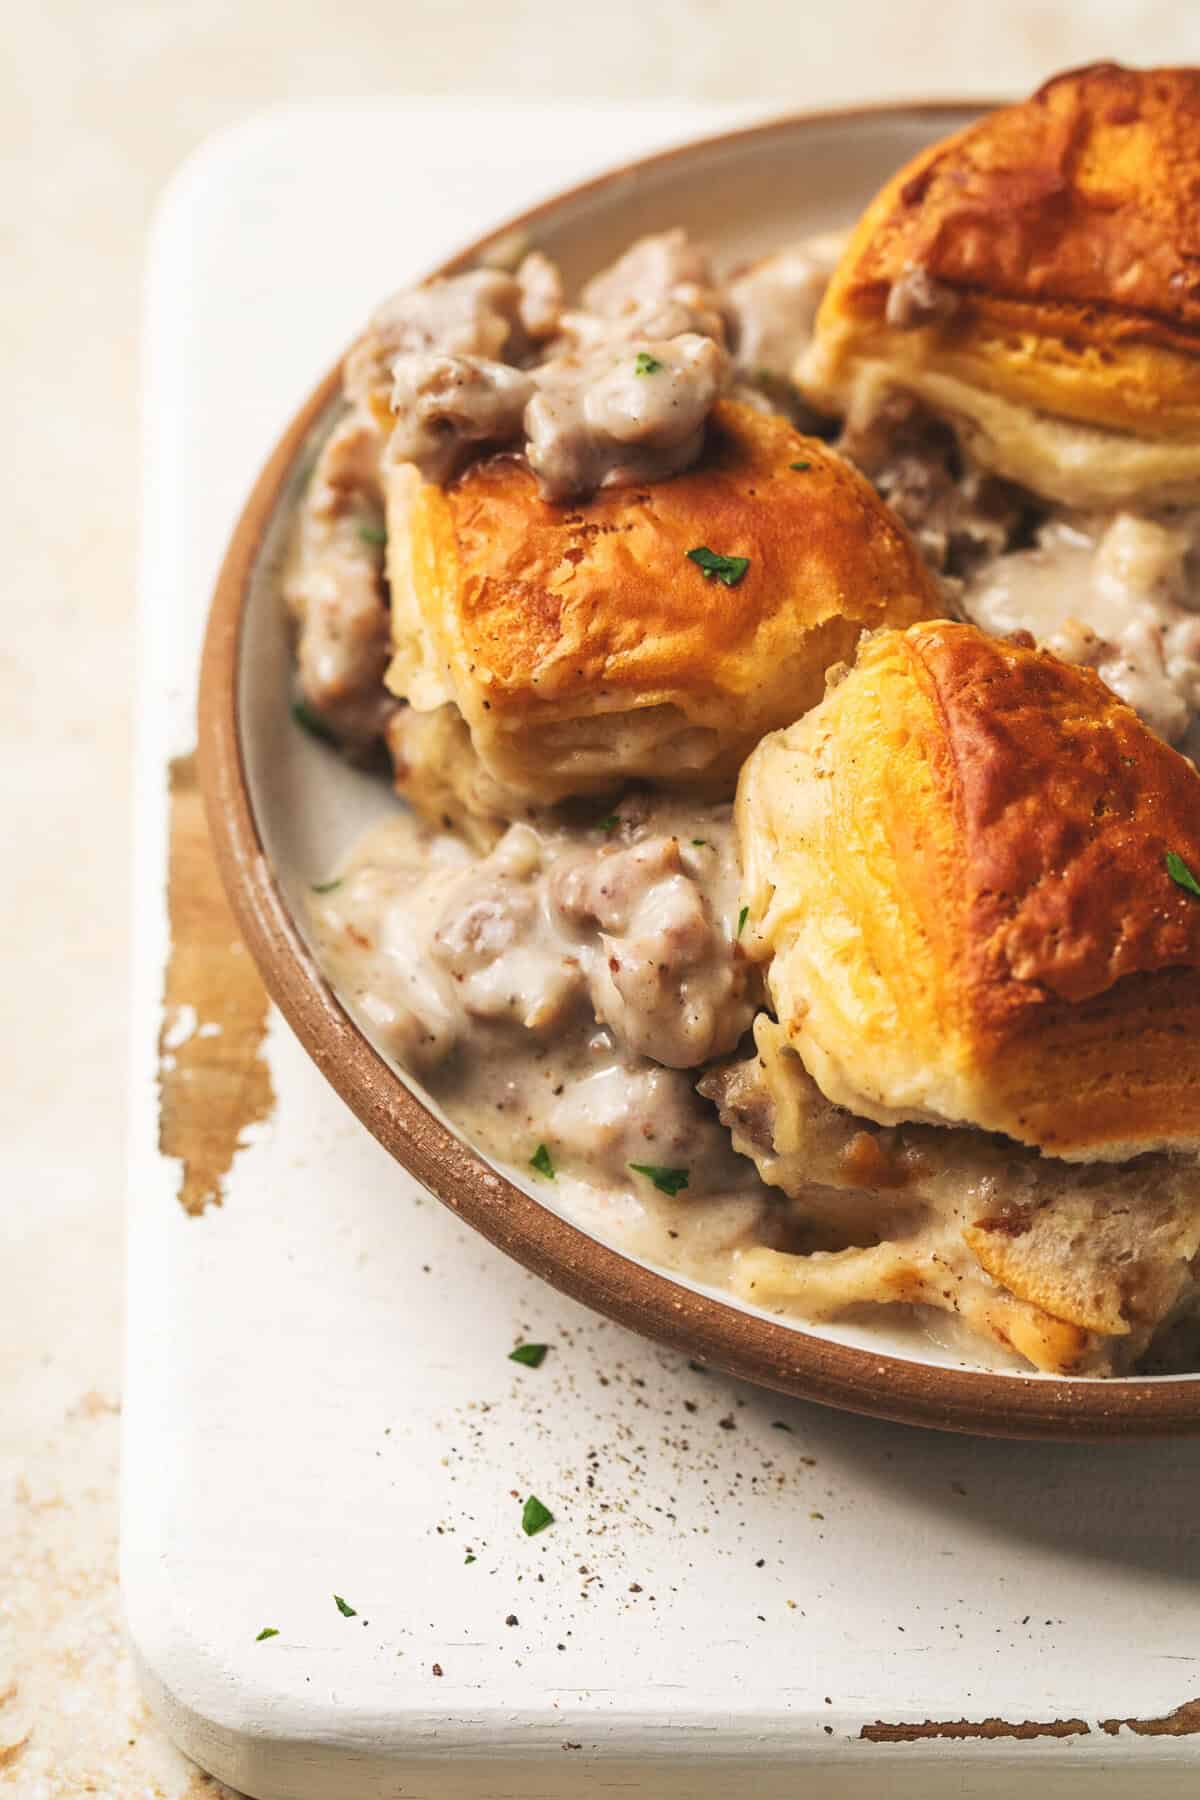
(710, 1330)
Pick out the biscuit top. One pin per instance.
(529, 614)
(1084, 196)
(957, 865)
(1035, 282)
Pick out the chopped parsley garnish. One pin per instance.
(468, 1558)
(326, 887)
(799, 465)
(266, 1632)
(667, 1181)
(534, 1516)
(609, 822)
(742, 917)
(715, 567)
(1181, 875)
(647, 364)
(541, 1163)
(344, 1607)
(372, 534)
(312, 722)
(700, 843)
(532, 1355)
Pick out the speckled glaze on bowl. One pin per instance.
(281, 809)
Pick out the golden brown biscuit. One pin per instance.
(1036, 278)
(584, 647)
(956, 865)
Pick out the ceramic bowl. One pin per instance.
(282, 810)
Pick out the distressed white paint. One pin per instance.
(318, 1396)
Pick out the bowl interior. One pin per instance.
(284, 810)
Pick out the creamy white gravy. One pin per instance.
(563, 991)
(560, 997)
(1119, 592)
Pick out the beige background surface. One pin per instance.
(98, 105)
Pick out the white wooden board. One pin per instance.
(318, 1398)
